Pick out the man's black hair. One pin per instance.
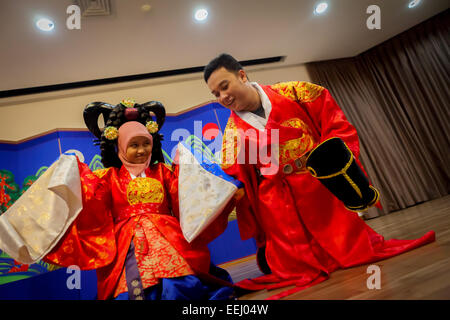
(223, 60)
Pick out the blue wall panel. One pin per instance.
(34, 154)
(81, 141)
(8, 158)
(229, 246)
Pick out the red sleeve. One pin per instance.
(89, 242)
(327, 118)
(170, 176)
(331, 121)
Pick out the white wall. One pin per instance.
(26, 116)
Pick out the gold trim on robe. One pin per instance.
(230, 144)
(301, 91)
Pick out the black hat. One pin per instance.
(115, 116)
(334, 165)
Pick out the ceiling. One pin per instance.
(131, 41)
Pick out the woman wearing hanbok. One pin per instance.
(128, 228)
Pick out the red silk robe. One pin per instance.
(307, 231)
(118, 210)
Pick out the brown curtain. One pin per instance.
(397, 96)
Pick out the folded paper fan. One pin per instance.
(204, 189)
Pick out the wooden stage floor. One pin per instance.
(423, 273)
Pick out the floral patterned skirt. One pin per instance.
(156, 258)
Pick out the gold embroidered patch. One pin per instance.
(230, 145)
(101, 172)
(301, 91)
(145, 190)
(295, 148)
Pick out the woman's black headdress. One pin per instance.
(115, 116)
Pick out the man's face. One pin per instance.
(231, 89)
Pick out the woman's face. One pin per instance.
(139, 149)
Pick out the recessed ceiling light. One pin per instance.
(201, 14)
(45, 24)
(146, 7)
(321, 8)
(413, 3)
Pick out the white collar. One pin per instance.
(142, 175)
(253, 119)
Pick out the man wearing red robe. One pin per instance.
(305, 231)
